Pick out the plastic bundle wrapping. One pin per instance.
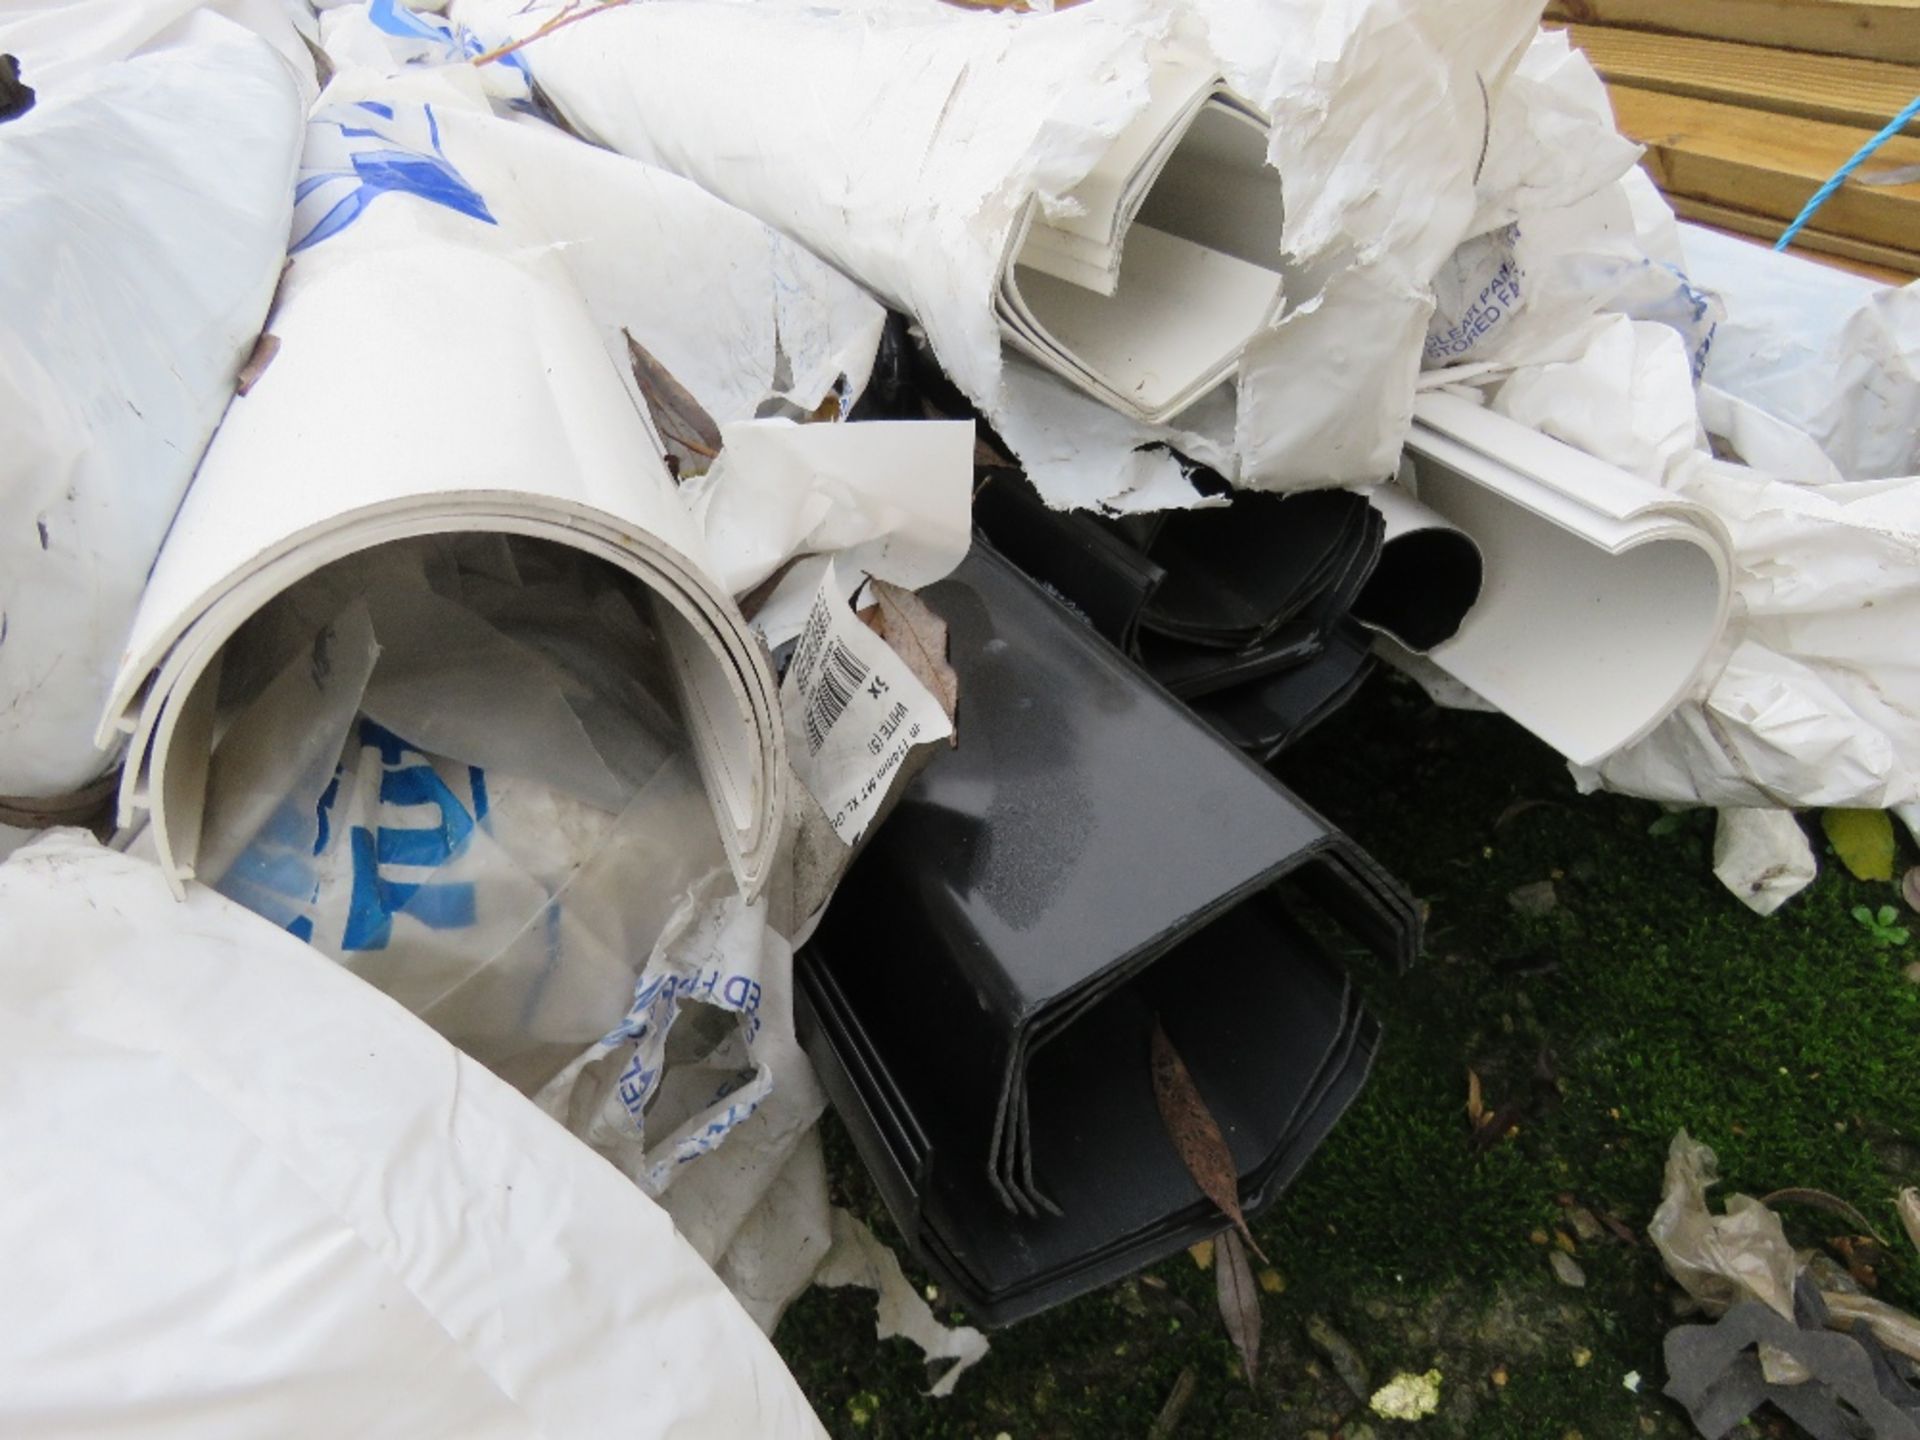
(999, 1088)
(144, 202)
(933, 153)
(437, 374)
(349, 1192)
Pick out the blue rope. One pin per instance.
(1861, 156)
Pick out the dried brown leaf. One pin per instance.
(1910, 888)
(1196, 1134)
(1168, 1420)
(1476, 1104)
(689, 433)
(1821, 1200)
(919, 637)
(1619, 1228)
(264, 349)
(1499, 1125)
(1239, 1300)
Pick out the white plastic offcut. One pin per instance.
(436, 374)
(306, 1204)
(1603, 595)
(144, 202)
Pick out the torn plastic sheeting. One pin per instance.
(968, 115)
(742, 317)
(1763, 857)
(1807, 698)
(977, 1128)
(1379, 114)
(1603, 595)
(890, 499)
(388, 35)
(512, 420)
(860, 1259)
(143, 214)
(132, 1006)
(1720, 1260)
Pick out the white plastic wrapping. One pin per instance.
(1832, 354)
(910, 143)
(353, 1229)
(144, 202)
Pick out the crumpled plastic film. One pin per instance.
(463, 1266)
(1720, 1260)
(858, 1258)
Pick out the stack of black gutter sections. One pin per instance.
(1244, 612)
(980, 997)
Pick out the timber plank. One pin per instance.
(1876, 262)
(1886, 30)
(1863, 93)
(1769, 165)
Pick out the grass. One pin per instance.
(1646, 1000)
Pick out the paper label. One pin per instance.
(853, 710)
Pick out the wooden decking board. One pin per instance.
(1886, 30)
(1876, 262)
(1860, 93)
(1769, 165)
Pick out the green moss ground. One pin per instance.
(1648, 999)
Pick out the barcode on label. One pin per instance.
(841, 673)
